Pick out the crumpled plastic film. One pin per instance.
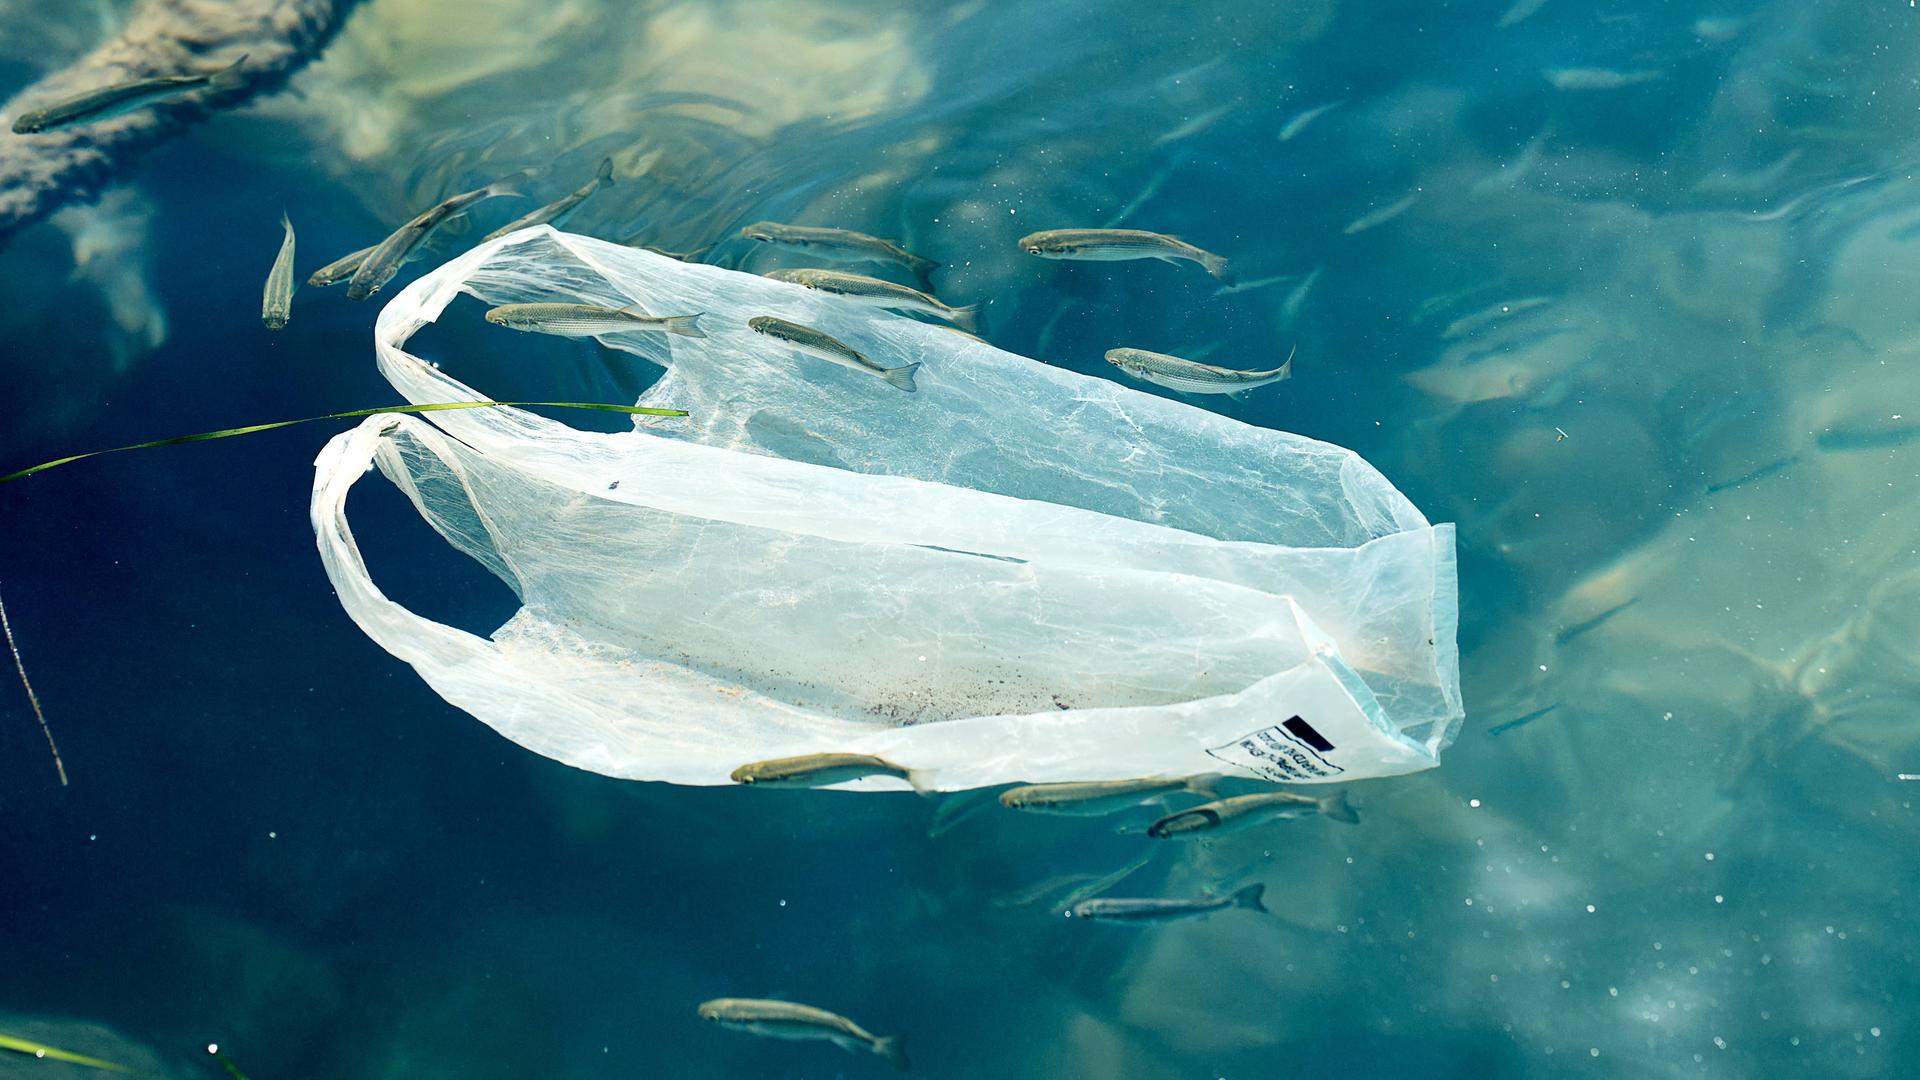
(1016, 574)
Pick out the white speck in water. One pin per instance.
(1709, 856)
(1719, 1042)
(1475, 803)
(213, 1048)
(1589, 909)
(783, 903)
(273, 835)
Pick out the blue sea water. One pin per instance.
(1643, 328)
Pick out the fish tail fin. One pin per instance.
(605, 174)
(509, 186)
(922, 781)
(966, 318)
(1336, 807)
(1202, 785)
(1251, 897)
(1285, 371)
(902, 377)
(229, 77)
(923, 269)
(285, 222)
(686, 325)
(1217, 266)
(888, 1046)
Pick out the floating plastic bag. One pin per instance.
(1016, 574)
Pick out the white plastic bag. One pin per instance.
(1016, 574)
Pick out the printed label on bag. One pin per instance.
(1289, 753)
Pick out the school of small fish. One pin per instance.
(370, 269)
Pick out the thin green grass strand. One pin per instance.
(228, 433)
(40, 1050)
(227, 1064)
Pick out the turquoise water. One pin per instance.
(1643, 327)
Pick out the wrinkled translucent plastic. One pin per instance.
(1017, 573)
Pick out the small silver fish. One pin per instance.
(122, 98)
(586, 320)
(556, 213)
(1063, 892)
(1119, 245)
(842, 242)
(1598, 78)
(819, 770)
(276, 302)
(1521, 721)
(1099, 797)
(1100, 884)
(807, 340)
(1190, 377)
(1194, 125)
(339, 269)
(877, 293)
(1299, 123)
(1376, 218)
(1256, 283)
(1296, 299)
(1104, 909)
(1476, 321)
(385, 259)
(1522, 9)
(1243, 811)
(788, 1020)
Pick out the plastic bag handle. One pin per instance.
(409, 636)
